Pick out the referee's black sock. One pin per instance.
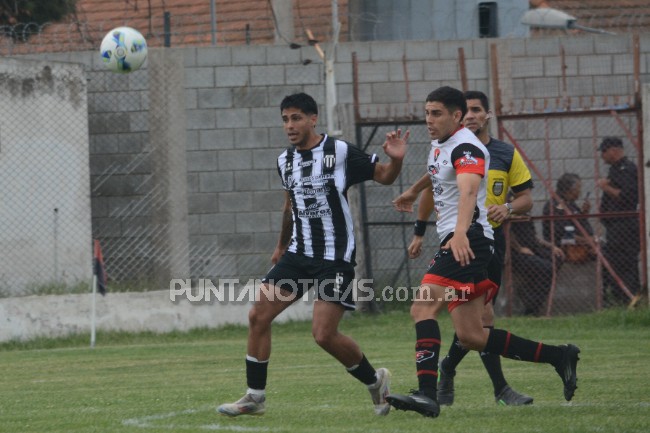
(363, 371)
(427, 352)
(506, 344)
(492, 364)
(454, 356)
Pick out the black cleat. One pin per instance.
(416, 401)
(510, 397)
(567, 369)
(446, 387)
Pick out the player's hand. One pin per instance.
(277, 254)
(602, 183)
(497, 213)
(557, 252)
(395, 145)
(586, 206)
(415, 249)
(459, 245)
(404, 203)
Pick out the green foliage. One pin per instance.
(20, 15)
(172, 382)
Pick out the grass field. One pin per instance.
(172, 382)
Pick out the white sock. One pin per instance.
(258, 394)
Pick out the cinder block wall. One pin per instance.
(234, 130)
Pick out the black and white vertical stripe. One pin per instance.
(317, 182)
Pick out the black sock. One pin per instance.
(363, 371)
(506, 344)
(256, 372)
(454, 356)
(492, 364)
(427, 352)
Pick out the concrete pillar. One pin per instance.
(284, 30)
(167, 138)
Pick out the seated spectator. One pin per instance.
(565, 233)
(532, 263)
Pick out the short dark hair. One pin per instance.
(610, 142)
(301, 101)
(477, 94)
(452, 99)
(566, 182)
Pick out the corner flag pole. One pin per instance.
(93, 314)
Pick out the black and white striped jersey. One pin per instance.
(317, 181)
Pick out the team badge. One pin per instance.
(497, 187)
(329, 161)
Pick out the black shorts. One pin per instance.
(471, 279)
(331, 279)
(495, 266)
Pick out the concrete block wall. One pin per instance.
(234, 132)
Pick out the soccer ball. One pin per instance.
(123, 50)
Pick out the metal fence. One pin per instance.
(557, 133)
(191, 24)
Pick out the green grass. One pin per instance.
(172, 382)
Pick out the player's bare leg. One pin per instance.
(327, 316)
(270, 302)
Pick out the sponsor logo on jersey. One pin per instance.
(313, 192)
(289, 183)
(310, 179)
(307, 163)
(467, 159)
(314, 211)
(433, 169)
(436, 154)
(497, 187)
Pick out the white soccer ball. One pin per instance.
(123, 50)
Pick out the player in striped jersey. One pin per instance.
(507, 171)
(316, 248)
(457, 168)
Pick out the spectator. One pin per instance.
(620, 193)
(532, 263)
(566, 233)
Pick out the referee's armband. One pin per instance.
(419, 228)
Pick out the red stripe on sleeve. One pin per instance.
(467, 165)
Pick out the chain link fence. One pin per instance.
(581, 248)
(45, 199)
(556, 109)
(190, 24)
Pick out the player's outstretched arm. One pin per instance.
(395, 148)
(404, 202)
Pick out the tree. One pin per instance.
(17, 15)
